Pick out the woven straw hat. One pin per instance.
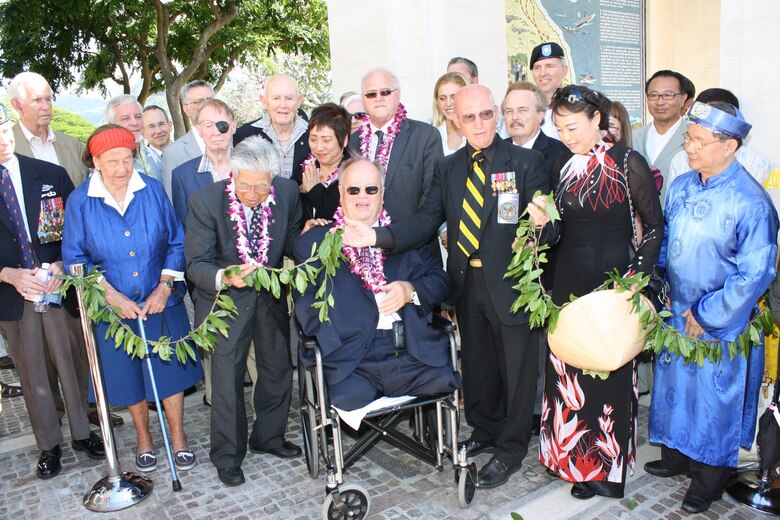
(598, 331)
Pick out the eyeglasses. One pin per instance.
(359, 115)
(257, 188)
(695, 143)
(200, 101)
(355, 190)
(666, 96)
(485, 115)
(384, 93)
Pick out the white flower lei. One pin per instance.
(373, 275)
(331, 177)
(383, 154)
(236, 213)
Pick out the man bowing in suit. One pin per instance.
(247, 221)
(372, 292)
(33, 195)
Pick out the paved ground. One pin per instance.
(399, 487)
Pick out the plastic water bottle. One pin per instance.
(41, 304)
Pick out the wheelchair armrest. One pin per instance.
(308, 342)
(441, 323)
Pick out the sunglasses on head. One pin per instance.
(359, 115)
(370, 190)
(485, 115)
(384, 93)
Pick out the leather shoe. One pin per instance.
(581, 492)
(694, 504)
(658, 469)
(93, 418)
(93, 445)
(475, 447)
(6, 362)
(495, 473)
(287, 450)
(206, 402)
(7, 391)
(49, 463)
(536, 424)
(231, 476)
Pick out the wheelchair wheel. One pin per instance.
(466, 487)
(355, 500)
(309, 423)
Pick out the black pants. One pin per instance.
(707, 482)
(499, 372)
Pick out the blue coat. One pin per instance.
(354, 317)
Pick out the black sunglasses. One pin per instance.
(384, 93)
(370, 190)
(359, 115)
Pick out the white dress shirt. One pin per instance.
(43, 150)
(655, 142)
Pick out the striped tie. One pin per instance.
(471, 220)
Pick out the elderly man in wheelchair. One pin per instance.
(379, 340)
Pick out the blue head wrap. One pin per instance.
(718, 121)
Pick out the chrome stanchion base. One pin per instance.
(748, 488)
(128, 490)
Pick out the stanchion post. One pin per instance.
(117, 490)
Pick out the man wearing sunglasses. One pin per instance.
(406, 149)
(365, 355)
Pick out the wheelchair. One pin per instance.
(434, 434)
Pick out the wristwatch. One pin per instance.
(415, 299)
(167, 283)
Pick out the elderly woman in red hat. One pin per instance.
(122, 222)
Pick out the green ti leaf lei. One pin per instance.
(204, 336)
(526, 267)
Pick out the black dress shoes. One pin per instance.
(581, 492)
(694, 504)
(49, 463)
(658, 469)
(495, 473)
(475, 447)
(287, 450)
(7, 391)
(231, 476)
(6, 362)
(536, 424)
(93, 445)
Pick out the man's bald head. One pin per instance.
(475, 115)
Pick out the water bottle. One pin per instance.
(40, 303)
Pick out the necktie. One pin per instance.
(471, 220)
(255, 228)
(17, 221)
(379, 137)
(365, 256)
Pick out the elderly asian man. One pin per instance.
(265, 210)
(719, 253)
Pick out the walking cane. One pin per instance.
(148, 356)
(118, 490)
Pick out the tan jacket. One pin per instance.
(68, 150)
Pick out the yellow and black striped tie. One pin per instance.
(471, 218)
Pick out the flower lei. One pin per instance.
(236, 213)
(383, 154)
(331, 177)
(373, 275)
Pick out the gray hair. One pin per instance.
(255, 154)
(470, 65)
(540, 99)
(18, 87)
(393, 77)
(350, 99)
(185, 90)
(124, 99)
(147, 108)
(355, 159)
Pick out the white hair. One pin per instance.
(255, 154)
(393, 77)
(18, 87)
(124, 99)
(350, 99)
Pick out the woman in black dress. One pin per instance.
(588, 430)
(329, 128)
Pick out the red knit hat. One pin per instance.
(111, 138)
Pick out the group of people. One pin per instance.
(680, 195)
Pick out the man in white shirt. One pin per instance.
(667, 94)
(31, 97)
(127, 112)
(548, 65)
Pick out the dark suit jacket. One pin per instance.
(210, 243)
(178, 152)
(354, 317)
(185, 181)
(445, 202)
(300, 153)
(549, 147)
(409, 172)
(36, 175)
